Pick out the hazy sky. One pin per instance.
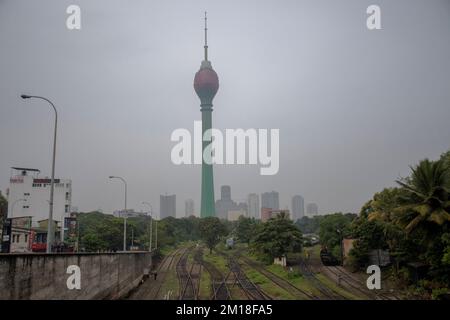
(354, 107)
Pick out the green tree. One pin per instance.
(445, 158)
(376, 223)
(426, 204)
(309, 225)
(277, 237)
(3, 207)
(245, 229)
(100, 231)
(211, 231)
(3, 211)
(383, 205)
(333, 228)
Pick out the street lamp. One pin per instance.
(151, 224)
(50, 232)
(13, 204)
(124, 217)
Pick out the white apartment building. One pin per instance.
(29, 195)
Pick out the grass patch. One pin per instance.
(190, 259)
(219, 261)
(295, 278)
(205, 287)
(164, 251)
(236, 292)
(171, 285)
(267, 285)
(332, 285)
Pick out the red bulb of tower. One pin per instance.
(206, 84)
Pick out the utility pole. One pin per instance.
(156, 234)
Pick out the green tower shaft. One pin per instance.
(207, 205)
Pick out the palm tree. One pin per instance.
(382, 206)
(426, 204)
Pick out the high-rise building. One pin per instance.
(298, 207)
(253, 206)
(206, 84)
(243, 206)
(225, 192)
(270, 200)
(312, 209)
(225, 203)
(189, 208)
(167, 206)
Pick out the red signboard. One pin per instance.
(39, 247)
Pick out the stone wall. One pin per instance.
(43, 276)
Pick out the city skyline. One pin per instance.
(337, 148)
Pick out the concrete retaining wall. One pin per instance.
(43, 276)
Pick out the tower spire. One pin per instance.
(206, 37)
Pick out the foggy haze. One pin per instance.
(354, 107)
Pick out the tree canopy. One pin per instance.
(412, 221)
(211, 231)
(245, 229)
(276, 237)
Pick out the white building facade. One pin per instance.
(29, 195)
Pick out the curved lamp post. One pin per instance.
(50, 231)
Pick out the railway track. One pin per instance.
(151, 288)
(356, 284)
(327, 292)
(252, 291)
(282, 283)
(218, 281)
(188, 279)
(220, 288)
(166, 265)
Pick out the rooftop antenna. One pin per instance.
(206, 37)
